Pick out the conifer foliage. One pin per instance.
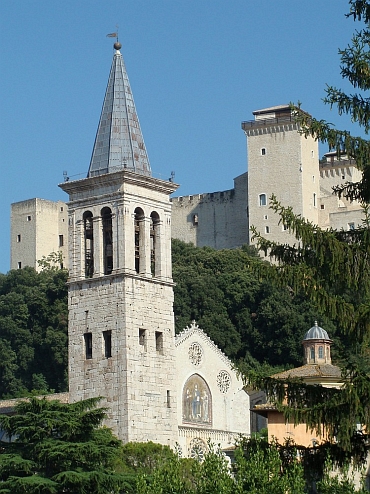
(332, 268)
(58, 448)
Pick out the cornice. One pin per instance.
(115, 180)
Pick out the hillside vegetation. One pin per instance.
(250, 320)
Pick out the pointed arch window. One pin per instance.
(89, 243)
(139, 223)
(154, 227)
(106, 215)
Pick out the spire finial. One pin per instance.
(117, 45)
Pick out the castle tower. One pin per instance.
(282, 162)
(36, 219)
(121, 326)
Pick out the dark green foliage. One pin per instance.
(33, 331)
(249, 319)
(59, 448)
(257, 468)
(143, 457)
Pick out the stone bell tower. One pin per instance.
(121, 326)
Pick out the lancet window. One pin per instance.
(154, 226)
(139, 224)
(106, 214)
(89, 243)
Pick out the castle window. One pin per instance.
(263, 152)
(88, 345)
(195, 219)
(321, 352)
(89, 244)
(61, 241)
(19, 265)
(107, 337)
(61, 209)
(29, 218)
(159, 342)
(351, 226)
(322, 206)
(168, 398)
(262, 200)
(106, 214)
(154, 226)
(18, 238)
(139, 225)
(142, 338)
(314, 200)
(267, 229)
(265, 217)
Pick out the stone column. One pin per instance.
(98, 246)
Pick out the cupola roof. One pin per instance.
(119, 142)
(316, 333)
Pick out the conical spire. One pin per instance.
(119, 143)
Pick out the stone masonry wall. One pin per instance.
(38, 228)
(217, 219)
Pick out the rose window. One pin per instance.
(223, 381)
(195, 353)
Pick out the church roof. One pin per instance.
(119, 142)
(311, 371)
(316, 333)
(8, 406)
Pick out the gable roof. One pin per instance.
(194, 329)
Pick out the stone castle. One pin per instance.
(280, 161)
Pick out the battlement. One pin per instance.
(221, 196)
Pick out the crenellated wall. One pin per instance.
(217, 219)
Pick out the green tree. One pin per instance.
(58, 448)
(257, 468)
(33, 331)
(248, 318)
(332, 268)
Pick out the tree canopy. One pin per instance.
(332, 268)
(33, 331)
(58, 448)
(251, 320)
(258, 468)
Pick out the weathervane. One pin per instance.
(117, 44)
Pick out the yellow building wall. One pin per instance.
(280, 430)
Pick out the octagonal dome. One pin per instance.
(316, 333)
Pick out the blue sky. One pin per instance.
(197, 69)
